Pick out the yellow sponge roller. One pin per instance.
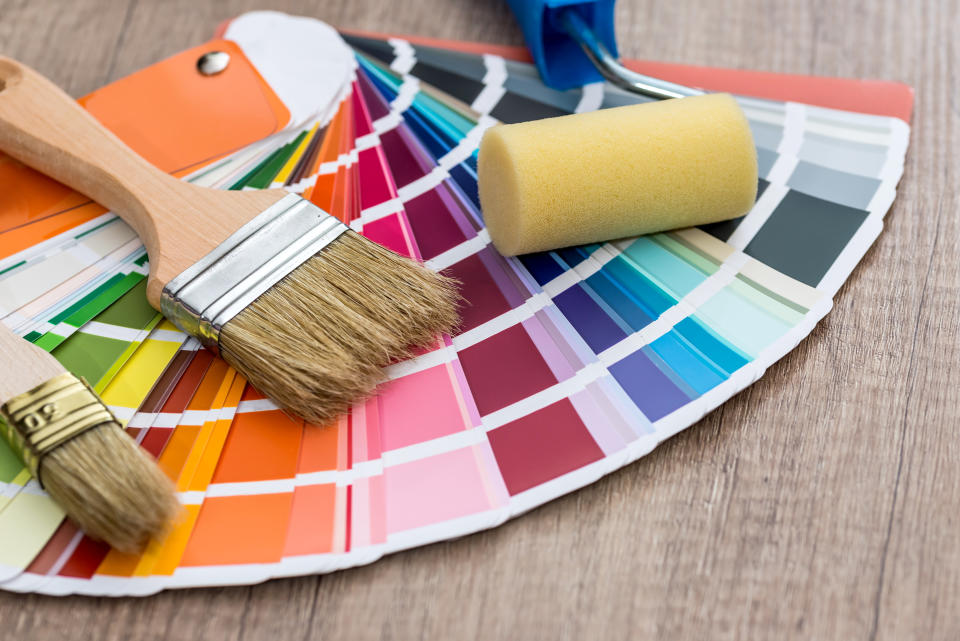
(615, 173)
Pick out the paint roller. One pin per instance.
(686, 158)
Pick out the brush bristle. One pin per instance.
(318, 339)
(110, 488)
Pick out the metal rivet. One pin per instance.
(213, 62)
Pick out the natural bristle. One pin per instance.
(110, 488)
(318, 339)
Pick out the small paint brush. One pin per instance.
(74, 447)
(306, 309)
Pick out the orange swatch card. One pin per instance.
(172, 115)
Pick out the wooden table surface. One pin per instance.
(821, 503)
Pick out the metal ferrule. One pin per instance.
(37, 422)
(206, 296)
(611, 68)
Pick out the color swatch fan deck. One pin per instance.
(567, 365)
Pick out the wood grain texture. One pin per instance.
(820, 503)
(34, 366)
(86, 156)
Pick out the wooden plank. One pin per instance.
(821, 503)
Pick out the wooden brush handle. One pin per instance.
(178, 223)
(25, 365)
(44, 128)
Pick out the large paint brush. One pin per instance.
(306, 309)
(74, 447)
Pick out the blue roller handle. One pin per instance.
(560, 60)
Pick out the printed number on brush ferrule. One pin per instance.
(206, 296)
(37, 422)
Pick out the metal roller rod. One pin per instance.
(612, 70)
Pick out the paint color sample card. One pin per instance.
(828, 177)
(566, 366)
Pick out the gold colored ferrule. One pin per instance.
(37, 422)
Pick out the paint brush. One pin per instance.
(77, 451)
(306, 309)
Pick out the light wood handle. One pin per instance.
(44, 128)
(24, 365)
(178, 223)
